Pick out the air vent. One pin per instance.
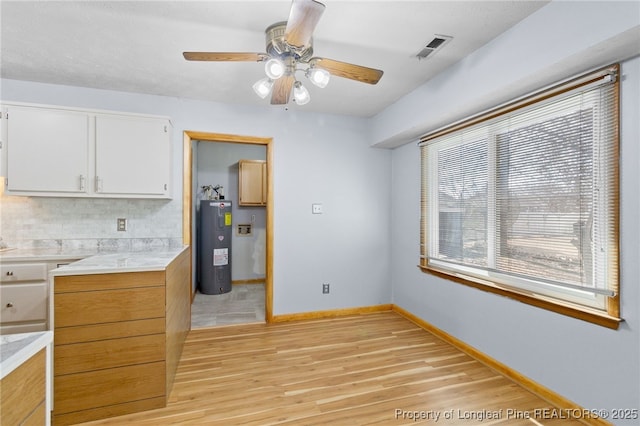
(436, 44)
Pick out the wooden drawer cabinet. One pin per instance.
(25, 403)
(117, 340)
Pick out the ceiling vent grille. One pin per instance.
(434, 45)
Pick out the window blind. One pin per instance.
(526, 195)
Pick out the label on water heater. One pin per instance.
(220, 257)
(227, 219)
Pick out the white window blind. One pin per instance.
(526, 197)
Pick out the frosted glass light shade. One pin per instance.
(319, 77)
(300, 94)
(274, 68)
(263, 87)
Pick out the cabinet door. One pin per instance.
(252, 183)
(133, 156)
(23, 302)
(46, 150)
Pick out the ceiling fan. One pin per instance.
(289, 45)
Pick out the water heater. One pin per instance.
(214, 255)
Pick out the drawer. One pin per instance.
(23, 302)
(108, 306)
(93, 389)
(103, 354)
(108, 331)
(121, 280)
(28, 272)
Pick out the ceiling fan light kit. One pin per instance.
(289, 44)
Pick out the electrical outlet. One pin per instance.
(325, 288)
(244, 229)
(122, 224)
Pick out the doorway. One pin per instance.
(188, 206)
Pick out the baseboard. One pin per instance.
(565, 406)
(332, 313)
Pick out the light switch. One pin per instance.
(316, 208)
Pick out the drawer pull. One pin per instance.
(9, 273)
(10, 305)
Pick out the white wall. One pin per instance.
(317, 159)
(591, 365)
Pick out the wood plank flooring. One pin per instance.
(375, 369)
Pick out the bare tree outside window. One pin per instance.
(543, 200)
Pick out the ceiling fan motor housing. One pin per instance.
(277, 46)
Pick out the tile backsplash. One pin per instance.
(31, 222)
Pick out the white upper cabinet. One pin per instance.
(54, 151)
(133, 155)
(47, 150)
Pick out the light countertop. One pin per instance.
(106, 263)
(15, 349)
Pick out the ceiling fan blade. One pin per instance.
(282, 90)
(303, 18)
(343, 69)
(225, 56)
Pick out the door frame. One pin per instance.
(187, 189)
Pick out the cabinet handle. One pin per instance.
(82, 180)
(10, 305)
(9, 273)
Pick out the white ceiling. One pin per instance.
(136, 46)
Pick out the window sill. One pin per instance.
(564, 308)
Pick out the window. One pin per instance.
(523, 200)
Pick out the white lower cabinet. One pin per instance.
(24, 296)
(56, 151)
(23, 302)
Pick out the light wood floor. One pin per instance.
(376, 369)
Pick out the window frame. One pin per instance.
(608, 314)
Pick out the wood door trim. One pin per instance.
(187, 183)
